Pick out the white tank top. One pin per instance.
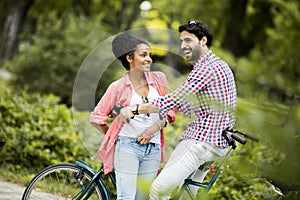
(142, 121)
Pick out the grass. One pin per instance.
(19, 176)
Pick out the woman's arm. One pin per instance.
(101, 127)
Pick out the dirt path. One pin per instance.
(10, 191)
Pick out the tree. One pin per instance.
(17, 12)
(16, 20)
(50, 64)
(273, 65)
(241, 31)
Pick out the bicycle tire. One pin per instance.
(59, 182)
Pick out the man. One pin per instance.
(210, 93)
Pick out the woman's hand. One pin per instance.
(126, 113)
(144, 138)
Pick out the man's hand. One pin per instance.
(126, 113)
(144, 138)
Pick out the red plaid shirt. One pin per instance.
(210, 93)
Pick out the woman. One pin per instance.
(135, 149)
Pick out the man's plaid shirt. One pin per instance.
(210, 93)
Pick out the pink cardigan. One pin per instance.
(120, 92)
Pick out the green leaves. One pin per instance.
(36, 131)
(49, 60)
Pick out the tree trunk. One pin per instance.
(3, 15)
(17, 11)
(135, 13)
(233, 39)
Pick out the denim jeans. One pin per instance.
(184, 160)
(136, 166)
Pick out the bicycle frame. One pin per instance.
(206, 185)
(97, 176)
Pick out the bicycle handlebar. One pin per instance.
(251, 137)
(237, 138)
(116, 111)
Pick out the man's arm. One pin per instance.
(128, 112)
(148, 108)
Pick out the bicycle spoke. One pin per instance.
(62, 182)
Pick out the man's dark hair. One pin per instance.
(199, 29)
(123, 45)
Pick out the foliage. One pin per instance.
(266, 41)
(277, 126)
(272, 69)
(231, 186)
(36, 131)
(3, 83)
(58, 35)
(122, 14)
(48, 61)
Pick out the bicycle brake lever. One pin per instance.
(116, 110)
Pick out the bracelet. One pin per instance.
(159, 126)
(148, 133)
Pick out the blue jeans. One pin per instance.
(136, 166)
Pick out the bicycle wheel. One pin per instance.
(62, 181)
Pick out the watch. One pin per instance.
(135, 109)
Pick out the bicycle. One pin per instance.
(80, 181)
(209, 184)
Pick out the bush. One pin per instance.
(36, 131)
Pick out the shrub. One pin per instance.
(36, 131)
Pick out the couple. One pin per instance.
(134, 146)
